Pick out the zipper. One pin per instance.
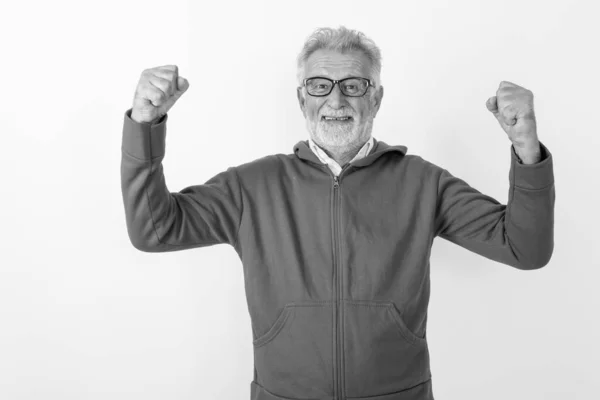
(336, 185)
(339, 284)
(339, 385)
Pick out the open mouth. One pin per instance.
(337, 119)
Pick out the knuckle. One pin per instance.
(165, 85)
(155, 95)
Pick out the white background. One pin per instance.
(84, 315)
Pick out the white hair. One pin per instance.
(342, 40)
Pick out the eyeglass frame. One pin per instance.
(337, 81)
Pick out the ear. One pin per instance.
(301, 100)
(377, 99)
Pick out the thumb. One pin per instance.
(492, 105)
(182, 85)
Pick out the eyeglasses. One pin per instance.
(351, 87)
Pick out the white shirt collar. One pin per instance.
(333, 165)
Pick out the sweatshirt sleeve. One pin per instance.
(520, 233)
(159, 220)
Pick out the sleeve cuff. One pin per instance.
(144, 140)
(532, 176)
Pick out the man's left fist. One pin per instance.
(513, 108)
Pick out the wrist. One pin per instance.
(528, 154)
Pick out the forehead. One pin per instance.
(336, 65)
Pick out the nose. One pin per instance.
(336, 98)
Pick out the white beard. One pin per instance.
(339, 136)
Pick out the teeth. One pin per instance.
(336, 118)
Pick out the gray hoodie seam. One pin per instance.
(237, 236)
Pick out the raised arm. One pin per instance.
(159, 220)
(520, 233)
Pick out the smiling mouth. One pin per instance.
(336, 119)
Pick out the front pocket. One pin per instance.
(294, 358)
(381, 354)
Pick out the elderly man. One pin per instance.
(335, 237)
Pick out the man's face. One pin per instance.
(339, 135)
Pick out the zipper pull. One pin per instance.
(336, 183)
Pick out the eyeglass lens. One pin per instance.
(350, 87)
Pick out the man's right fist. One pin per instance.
(158, 89)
